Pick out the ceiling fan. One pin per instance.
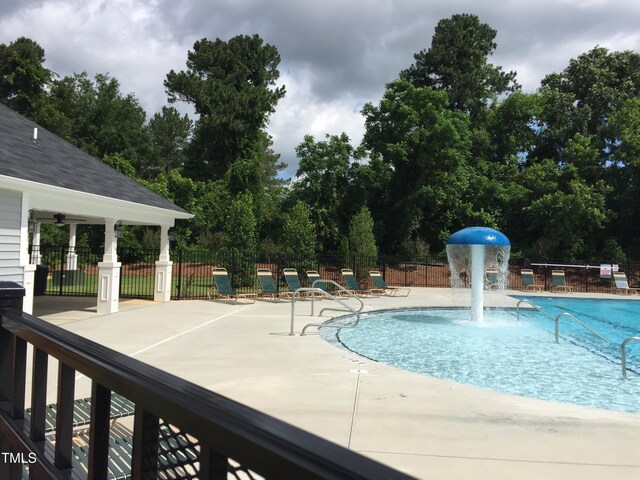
(58, 219)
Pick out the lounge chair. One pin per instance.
(313, 275)
(559, 283)
(120, 407)
(378, 281)
(293, 281)
(176, 452)
(529, 280)
(622, 285)
(269, 288)
(223, 289)
(492, 277)
(354, 287)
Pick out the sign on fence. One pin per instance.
(606, 269)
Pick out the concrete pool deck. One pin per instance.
(423, 426)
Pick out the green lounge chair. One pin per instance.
(223, 289)
(293, 282)
(529, 280)
(120, 407)
(176, 453)
(622, 285)
(292, 279)
(331, 289)
(378, 281)
(559, 282)
(354, 287)
(313, 275)
(492, 278)
(269, 287)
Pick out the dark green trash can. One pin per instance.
(40, 281)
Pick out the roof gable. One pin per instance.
(50, 160)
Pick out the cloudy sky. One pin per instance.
(336, 54)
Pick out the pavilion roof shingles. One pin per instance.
(50, 160)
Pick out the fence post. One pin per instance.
(586, 279)
(384, 267)
(405, 274)
(278, 270)
(179, 281)
(62, 268)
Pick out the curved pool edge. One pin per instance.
(610, 393)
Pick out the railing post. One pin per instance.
(179, 281)
(64, 416)
(38, 395)
(213, 466)
(144, 463)
(18, 378)
(99, 432)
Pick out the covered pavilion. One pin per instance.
(45, 179)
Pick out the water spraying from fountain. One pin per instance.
(481, 254)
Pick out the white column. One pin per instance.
(109, 271)
(36, 256)
(28, 270)
(164, 266)
(477, 282)
(28, 284)
(72, 257)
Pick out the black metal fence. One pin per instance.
(180, 430)
(192, 271)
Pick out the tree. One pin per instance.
(564, 215)
(169, 134)
(207, 201)
(582, 124)
(625, 126)
(95, 116)
(362, 242)
(323, 182)
(240, 226)
(426, 145)
(581, 98)
(23, 77)
(240, 239)
(457, 63)
(232, 87)
(299, 237)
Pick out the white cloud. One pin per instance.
(300, 113)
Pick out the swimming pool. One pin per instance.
(504, 354)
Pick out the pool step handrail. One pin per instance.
(623, 355)
(342, 290)
(326, 294)
(567, 314)
(557, 320)
(524, 300)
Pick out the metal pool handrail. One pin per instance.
(567, 314)
(623, 355)
(524, 300)
(557, 319)
(325, 294)
(343, 290)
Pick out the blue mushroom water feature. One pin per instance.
(472, 252)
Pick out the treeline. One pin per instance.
(453, 142)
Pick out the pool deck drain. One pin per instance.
(424, 426)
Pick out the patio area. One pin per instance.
(423, 426)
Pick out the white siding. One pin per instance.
(10, 215)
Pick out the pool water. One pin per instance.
(504, 354)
